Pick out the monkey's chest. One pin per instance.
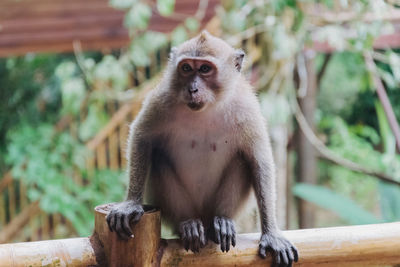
(200, 159)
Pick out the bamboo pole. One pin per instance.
(72, 252)
(364, 245)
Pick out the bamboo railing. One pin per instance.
(363, 245)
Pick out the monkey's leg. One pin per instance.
(176, 202)
(178, 205)
(231, 193)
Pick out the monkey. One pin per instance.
(198, 147)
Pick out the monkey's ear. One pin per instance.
(239, 56)
(172, 54)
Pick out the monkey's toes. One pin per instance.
(192, 235)
(224, 232)
(282, 251)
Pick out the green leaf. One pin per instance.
(192, 24)
(165, 7)
(179, 35)
(387, 78)
(66, 70)
(139, 55)
(389, 142)
(394, 62)
(93, 123)
(389, 202)
(122, 4)
(152, 41)
(325, 198)
(73, 93)
(235, 21)
(143, 46)
(138, 16)
(111, 74)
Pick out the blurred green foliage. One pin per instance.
(40, 91)
(348, 118)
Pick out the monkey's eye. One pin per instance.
(205, 68)
(186, 67)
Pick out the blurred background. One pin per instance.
(73, 75)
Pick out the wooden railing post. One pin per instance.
(138, 251)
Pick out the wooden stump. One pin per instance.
(138, 251)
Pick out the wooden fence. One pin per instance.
(108, 147)
(53, 25)
(364, 245)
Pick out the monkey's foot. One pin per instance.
(192, 235)
(224, 232)
(282, 251)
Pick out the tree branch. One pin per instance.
(323, 69)
(380, 90)
(329, 155)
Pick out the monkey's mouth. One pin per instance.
(195, 105)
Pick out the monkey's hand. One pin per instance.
(282, 251)
(120, 217)
(192, 235)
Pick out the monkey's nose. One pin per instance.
(193, 90)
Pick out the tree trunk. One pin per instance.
(307, 160)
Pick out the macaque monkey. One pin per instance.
(199, 146)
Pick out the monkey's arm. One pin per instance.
(259, 155)
(138, 158)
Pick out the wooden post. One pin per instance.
(307, 160)
(138, 251)
(279, 137)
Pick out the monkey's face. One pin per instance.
(197, 82)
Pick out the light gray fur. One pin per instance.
(238, 130)
(200, 163)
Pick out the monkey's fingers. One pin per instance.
(276, 261)
(118, 227)
(108, 218)
(262, 251)
(233, 235)
(112, 222)
(223, 233)
(184, 237)
(202, 235)
(188, 241)
(284, 259)
(136, 214)
(126, 227)
(295, 253)
(228, 235)
(217, 229)
(195, 237)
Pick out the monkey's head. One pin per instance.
(203, 69)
